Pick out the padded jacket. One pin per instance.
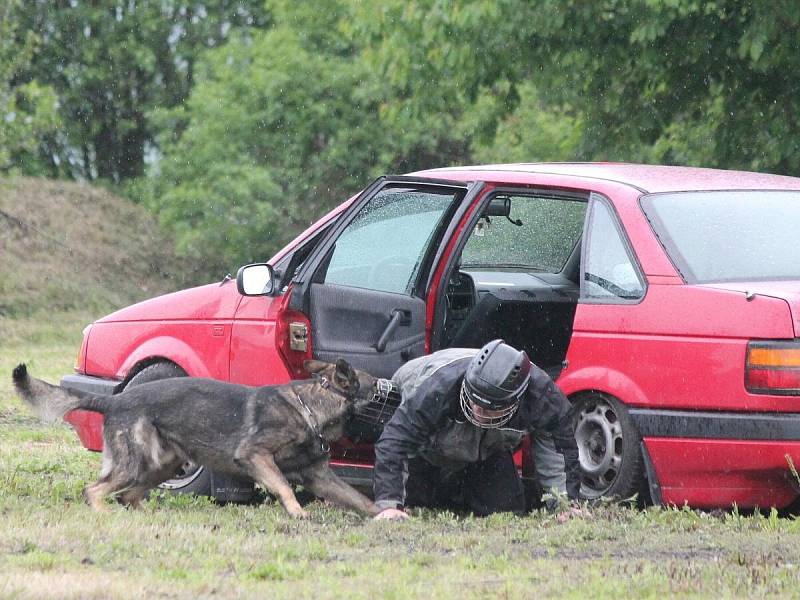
(429, 423)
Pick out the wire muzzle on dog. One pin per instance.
(382, 405)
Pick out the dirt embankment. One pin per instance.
(66, 246)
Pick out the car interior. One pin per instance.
(531, 306)
(530, 311)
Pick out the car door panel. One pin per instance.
(349, 322)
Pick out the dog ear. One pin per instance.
(315, 366)
(344, 376)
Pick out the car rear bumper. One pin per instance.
(87, 424)
(718, 459)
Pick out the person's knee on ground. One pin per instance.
(493, 485)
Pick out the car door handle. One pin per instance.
(399, 317)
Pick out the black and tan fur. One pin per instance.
(259, 432)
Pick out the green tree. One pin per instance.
(113, 61)
(27, 109)
(706, 83)
(678, 81)
(278, 129)
(283, 124)
(434, 60)
(533, 131)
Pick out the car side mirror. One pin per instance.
(255, 280)
(499, 206)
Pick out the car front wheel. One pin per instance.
(608, 448)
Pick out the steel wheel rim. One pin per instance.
(598, 434)
(186, 474)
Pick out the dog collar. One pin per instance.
(313, 424)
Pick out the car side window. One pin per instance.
(538, 235)
(609, 271)
(383, 248)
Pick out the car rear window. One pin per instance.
(728, 236)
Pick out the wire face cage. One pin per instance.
(382, 405)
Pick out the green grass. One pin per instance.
(52, 545)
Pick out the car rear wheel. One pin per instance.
(609, 448)
(192, 478)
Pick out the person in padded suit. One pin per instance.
(462, 414)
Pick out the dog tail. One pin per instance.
(51, 402)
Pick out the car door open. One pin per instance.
(364, 288)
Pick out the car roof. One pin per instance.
(647, 178)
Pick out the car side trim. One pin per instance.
(359, 476)
(716, 425)
(92, 385)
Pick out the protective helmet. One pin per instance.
(495, 381)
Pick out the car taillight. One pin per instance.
(773, 368)
(293, 338)
(80, 360)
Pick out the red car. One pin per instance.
(665, 300)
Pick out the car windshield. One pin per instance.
(728, 236)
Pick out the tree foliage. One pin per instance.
(686, 82)
(113, 61)
(27, 109)
(285, 124)
(677, 81)
(273, 134)
(256, 117)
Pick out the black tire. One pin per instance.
(609, 448)
(192, 478)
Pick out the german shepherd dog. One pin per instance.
(271, 434)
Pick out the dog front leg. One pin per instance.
(267, 473)
(324, 483)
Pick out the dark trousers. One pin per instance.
(482, 488)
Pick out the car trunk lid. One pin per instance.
(788, 291)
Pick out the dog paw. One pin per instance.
(300, 514)
(94, 500)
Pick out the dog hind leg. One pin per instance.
(266, 472)
(157, 460)
(116, 482)
(95, 493)
(132, 464)
(113, 476)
